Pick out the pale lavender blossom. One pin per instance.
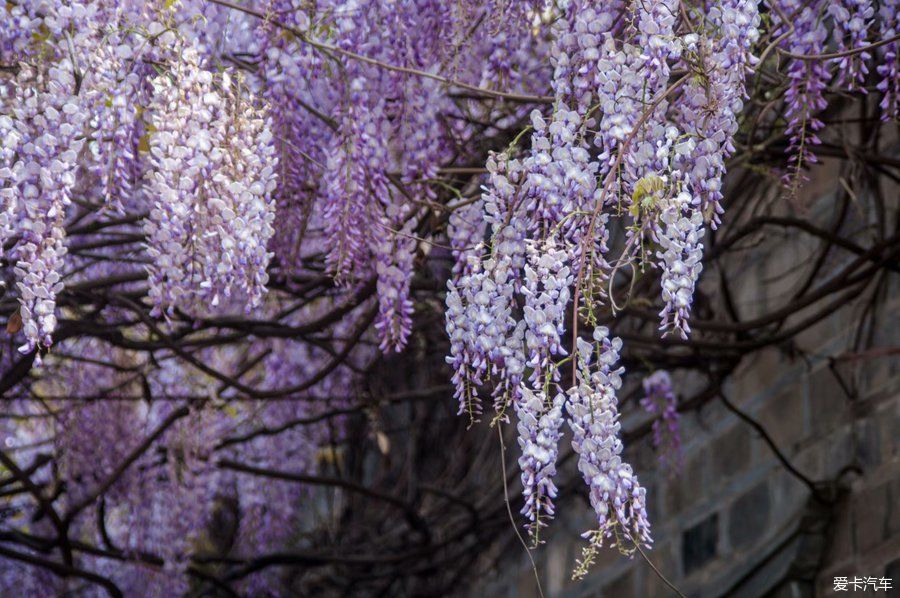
(45, 131)
(619, 501)
(681, 232)
(540, 419)
(213, 174)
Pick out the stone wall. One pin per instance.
(736, 522)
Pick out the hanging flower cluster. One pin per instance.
(539, 431)
(618, 499)
(889, 66)
(803, 29)
(212, 174)
(852, 19)
(660, 401)
(43, 134)
(662, 149)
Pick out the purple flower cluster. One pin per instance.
(465, 230)
(889, 66)
(356, 179)
(484, 337)
(547, 291)
(710, 105)
(661, 160)
(45, 129)
(852, 19)
(212, 176)
(622, 96)
(395, 307)
(660, 401)
(290, 70)
(80, 122)
(117, 83)
(618, 499)
(561, 181)
(681, 230)
(540, 421)
(360, 151)
(657, 41)
(579, 34)
(808, 79)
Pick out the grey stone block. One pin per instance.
(868, 443)
(749, 515)
(784, 417)
(732, 452)
(838, 451)
(682, 492)
(828, 402)
(871, 516)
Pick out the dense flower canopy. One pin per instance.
(229, 206)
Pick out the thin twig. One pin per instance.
(512, 519)
(849, 52)
(657, 571)
(516, 97)
(813, 488)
